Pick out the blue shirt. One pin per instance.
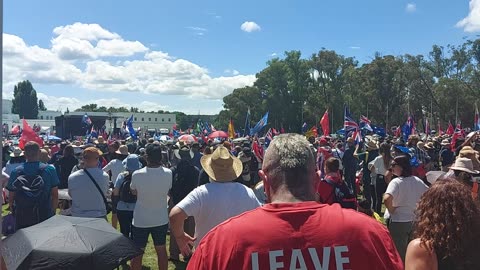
(49, 176)
(121, 205)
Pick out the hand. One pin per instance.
(185, 244)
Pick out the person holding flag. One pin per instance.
(261, 124)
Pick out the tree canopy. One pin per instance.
(386, 89)
(25, 100)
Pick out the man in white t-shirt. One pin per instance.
(150, 216)
(214, 202)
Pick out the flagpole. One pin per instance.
(386, 123)
(456, 112)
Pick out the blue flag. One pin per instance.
(261, 124)
(130, 128)
(246, 131)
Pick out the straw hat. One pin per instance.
(17, 152)
(430, 145)
(372, 145)
(445, 142)
(100, 140)
(464, 165)
(221, 166)
(433, 176)
(122, 150)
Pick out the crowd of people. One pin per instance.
(299, 203)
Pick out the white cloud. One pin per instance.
(90, 41)
(195, 28)
(233, 72)
(250, 27)
(354, 47)
(273, 55)
(411, 7)
(73, 60)
(471, 23)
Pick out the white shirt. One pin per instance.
(152, 186)
(213, 203)
(86, 199)
(406, 192)
(116, 167)
(379, 165)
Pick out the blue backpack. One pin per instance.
(31, 198)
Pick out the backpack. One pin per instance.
(31, 198)
(125, 192)
(342, 194)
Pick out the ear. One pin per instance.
(266, 184)
(316, 180)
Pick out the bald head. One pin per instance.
(289, 164)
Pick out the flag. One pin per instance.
(28, 135)
(366, 123)
(246, 131)
(398, 132)
(325, 123)
(15, 130)
(456, 135)
(349, 124)
(275, 132)
(130, 128)
(268, 137)
(313, 132)
(257, 149)
(212, 128)
(357, 136)
(282, 130)
(304, 127)
(261, 124)
(174, 127)
(86, 120)
(439, 131)
(476, 124)
(450, 129)
(408, 128)
(207, 129)
(459, 130)
(231, 130)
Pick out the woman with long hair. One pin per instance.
(446, 229)
(379, 166)
(401, 197)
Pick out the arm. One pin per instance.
(54, 198)
(388, 200)
(11, 198)
(184, 241)
(107, 167)
(420, 257)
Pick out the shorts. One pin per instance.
(159, 235)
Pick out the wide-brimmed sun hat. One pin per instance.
(445, 142)
(132, 163)
(17, 152)
(221, 166)
(183, 152)
(122, 150)
(464, 165)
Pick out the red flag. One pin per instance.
(15, 130)
(28, 135)
(440, 131)
(398, 132)
(450, 129)
(325, 123)
(257, 149)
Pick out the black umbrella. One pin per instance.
(63, 242)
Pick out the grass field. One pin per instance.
(149, 258)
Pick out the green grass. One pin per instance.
(149, 258)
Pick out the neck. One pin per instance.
(150, 165)
(282, 195)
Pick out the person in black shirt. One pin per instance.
(65, 165)
(185, 179)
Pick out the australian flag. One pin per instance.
(261, 124)
(349, 124)
(408, 128)
(366, 123)
(86, 120)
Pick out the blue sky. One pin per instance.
(186, 55)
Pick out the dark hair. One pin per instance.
(154, 153)
(463, 177)
(332, 164)
(31, 150)
(385, 152)
(404, 162)
(366, 206)
(68, 151)
(447, 221)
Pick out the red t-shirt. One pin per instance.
(305, 235)
(325, 190)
